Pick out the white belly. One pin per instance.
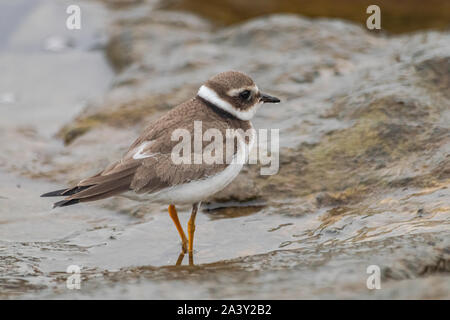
(199, 190)
(196, 191)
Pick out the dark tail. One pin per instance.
(90, 193)
(65, 203)
(103, 185)
(64, 192)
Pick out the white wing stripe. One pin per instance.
(139, 153)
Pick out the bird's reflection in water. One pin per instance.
(181, 257)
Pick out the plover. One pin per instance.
(228, 100)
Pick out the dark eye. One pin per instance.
(245, 94)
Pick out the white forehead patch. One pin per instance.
(235, 92)
(212, 97)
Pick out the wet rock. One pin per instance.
(436, 73)
(118, 115)
(339, 198)
(243, 189)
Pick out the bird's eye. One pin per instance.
(245, 94)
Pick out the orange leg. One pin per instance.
(174, 215)
(191, 227)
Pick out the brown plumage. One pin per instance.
(152, 174)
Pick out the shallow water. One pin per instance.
(129, 257)
(310, 238)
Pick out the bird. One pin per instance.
(225, 102)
